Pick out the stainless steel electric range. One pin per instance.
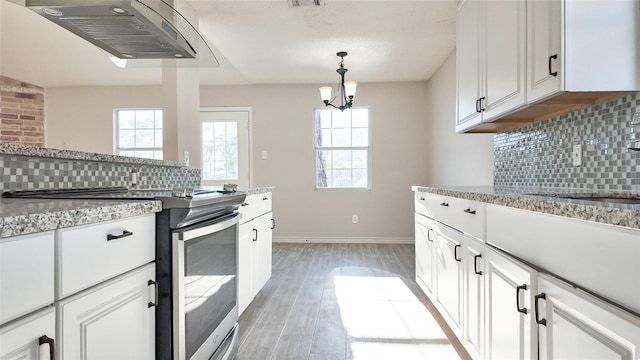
(196, 266)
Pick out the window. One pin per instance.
(342, 148)
(139, 133)
(220, 150)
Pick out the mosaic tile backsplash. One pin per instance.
(23, 172)
(539, 155)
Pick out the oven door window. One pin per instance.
(209, 284)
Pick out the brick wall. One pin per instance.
(21, 112)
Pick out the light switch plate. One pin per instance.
(264, 154)
(576, 155)
(186, 158)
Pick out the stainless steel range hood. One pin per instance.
(130, 29)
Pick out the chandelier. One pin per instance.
(347, 89)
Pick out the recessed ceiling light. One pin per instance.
(52, 12)
(118, 10)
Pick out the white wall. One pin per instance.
(283, 126)
(454, 159)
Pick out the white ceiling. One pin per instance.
(256, 42)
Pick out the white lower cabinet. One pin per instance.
(115, 320)
(448, 297)
(576, 325)
(473, 296)
(254, 255)
(30, 338)
(509, 329)
(425, 254)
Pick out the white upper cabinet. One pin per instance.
(582, 46)
(491, 50)
(536, 59)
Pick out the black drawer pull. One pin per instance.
(155, 286)
(422, 198)
(469, 211)
(480, 102)
(478, 106)
(44, 339)
(255, 231)
(265, 198)
(273, 224)
(444, 204)
(538, 320)
(475, 264)
(125, 233)
(518, 289)
(244, 204)
(455, 253)
(552, 73)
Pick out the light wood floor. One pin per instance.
(344, 302)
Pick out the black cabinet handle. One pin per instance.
(478, 106)
(552, 73)
(255, 231)
(244, 204)
(265, 198)
(538, 320)
(518, 289)
(475, 264)
(273, 224)
(155, 301)
(422, 198)
(444, 204)
(455, 253)
(125, 233)
(44, 339)
(469, 211)
(480, 102)
(429, 232)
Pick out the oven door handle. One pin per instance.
(208, 229)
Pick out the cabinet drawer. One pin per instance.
(465, 215)
(254, 206)
(26, 274)
(94, 253)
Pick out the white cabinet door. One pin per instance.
(473, 295)
(115, 320)
(468, 65)
(576, 325)
(504, 57)
(425, 254)
(30, 338)
(245, 265)
(262, 251)
(544, 57)
(26, 274)
(449, 279)
(510, 330)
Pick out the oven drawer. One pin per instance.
(254, 206)
(94, 253)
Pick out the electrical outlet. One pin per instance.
(354, 219)
(576, 155)
(186, 158)
(264, 154)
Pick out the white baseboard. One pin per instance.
(342, 240)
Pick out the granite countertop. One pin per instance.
(26, 216)
(258, 190)
(545, 200)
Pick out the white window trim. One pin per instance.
(369, 165)
(249, 110)
(116, 132)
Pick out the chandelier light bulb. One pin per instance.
(325, 93)
(350, 88)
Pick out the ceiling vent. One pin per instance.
(301, 3)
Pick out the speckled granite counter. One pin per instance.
(25, 216)
(259, 190)
(543, 200)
